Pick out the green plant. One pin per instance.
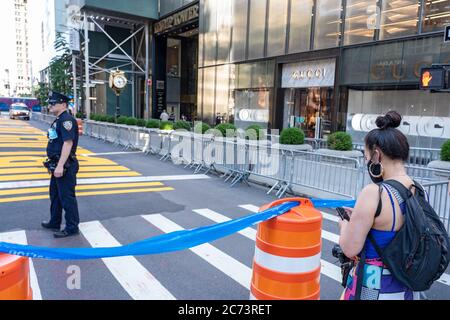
(182, 125)
(292, 136)
(254, 132)
(141, 122)
(152, 124)
(340, 141)
(166, 125)
(122, 120)
(103, 118)
(93, 117)
(131, 121)
(445, 151)
(80, 115)
(226, 129)
(201, 127)
(111, 119)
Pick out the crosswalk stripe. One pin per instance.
(44, 170)
(86, 194)
(83, 187)
(27, 177)
(228, 265)
(254, 208)
(20, 237)
(328, 269)
(132, 276)
(46, 182)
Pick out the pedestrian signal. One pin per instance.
(432, 78)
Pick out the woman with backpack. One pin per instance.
(379, 215)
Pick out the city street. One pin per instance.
(134, 197)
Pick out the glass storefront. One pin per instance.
(436, 15)
(328, 24)
(399, 18)
(360, 21)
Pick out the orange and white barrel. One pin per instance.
(288, 254)
(80, 127)
(15, 278)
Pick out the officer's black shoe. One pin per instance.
(65, 234)
(49, 226)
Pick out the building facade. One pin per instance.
(321, 65)
(15, 65)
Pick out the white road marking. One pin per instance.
(46, 183)
(110, 153)
(20, 237)
(328, 269)
(228, 265)
(134, 278)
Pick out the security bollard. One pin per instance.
(287, 254)
(15, 278)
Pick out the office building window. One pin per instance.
(300, 25)
(257, 29)
(399, 18)
(361, 20)
(328, 24)
(278, 14)
(436, 15)
(239, 9)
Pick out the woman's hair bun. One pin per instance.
(392, 119)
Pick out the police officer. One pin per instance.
(63, 164)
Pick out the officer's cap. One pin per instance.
(56, 97)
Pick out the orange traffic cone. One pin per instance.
(80, 127)
(15, 278)
(287, 254)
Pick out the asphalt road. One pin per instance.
(148, 198)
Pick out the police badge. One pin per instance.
(68, 125)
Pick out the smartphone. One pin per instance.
(343, 214)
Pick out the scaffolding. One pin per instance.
(136, 64)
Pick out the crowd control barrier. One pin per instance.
(287, 254)
(14, 278)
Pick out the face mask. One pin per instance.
(375, 169)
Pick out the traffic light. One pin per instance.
(434, 78)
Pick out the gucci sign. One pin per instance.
(317, 73)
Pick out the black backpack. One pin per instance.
(419, 253)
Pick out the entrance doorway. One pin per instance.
(309, 109)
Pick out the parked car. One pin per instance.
(19, 111)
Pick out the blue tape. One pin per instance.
(175, 241)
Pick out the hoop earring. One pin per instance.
(381, 170)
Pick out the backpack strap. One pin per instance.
(380, 205)
(404, 192)
(360, 275)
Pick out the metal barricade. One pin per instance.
(439, 198)
(142, 139)
(165, 145)
(155, 143)
(123, 136)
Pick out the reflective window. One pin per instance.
(257, 29)
(200, 95)
(173, 57)
(361, 20)
(436, 15)
(277, 27)
(210, 28)
(239, 18)
(209, 82)
(222, 93)
(167, 6)
(223, 31)
(328, 24)
(399, 18)
(300, 25)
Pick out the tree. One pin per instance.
(41, 92)
(60, 73)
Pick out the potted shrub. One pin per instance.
(131, 121)
(293, 139)
(103, 118)
(111, 119)
(152, 124)
(444, 163)
(166, 126)
(93, 117)
(201, 128)
(340, 144)
(122, 120)
(182, 125)
(227, 130)
(141, 123)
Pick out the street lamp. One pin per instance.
(117, 82)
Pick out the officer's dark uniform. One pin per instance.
(62, 190)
